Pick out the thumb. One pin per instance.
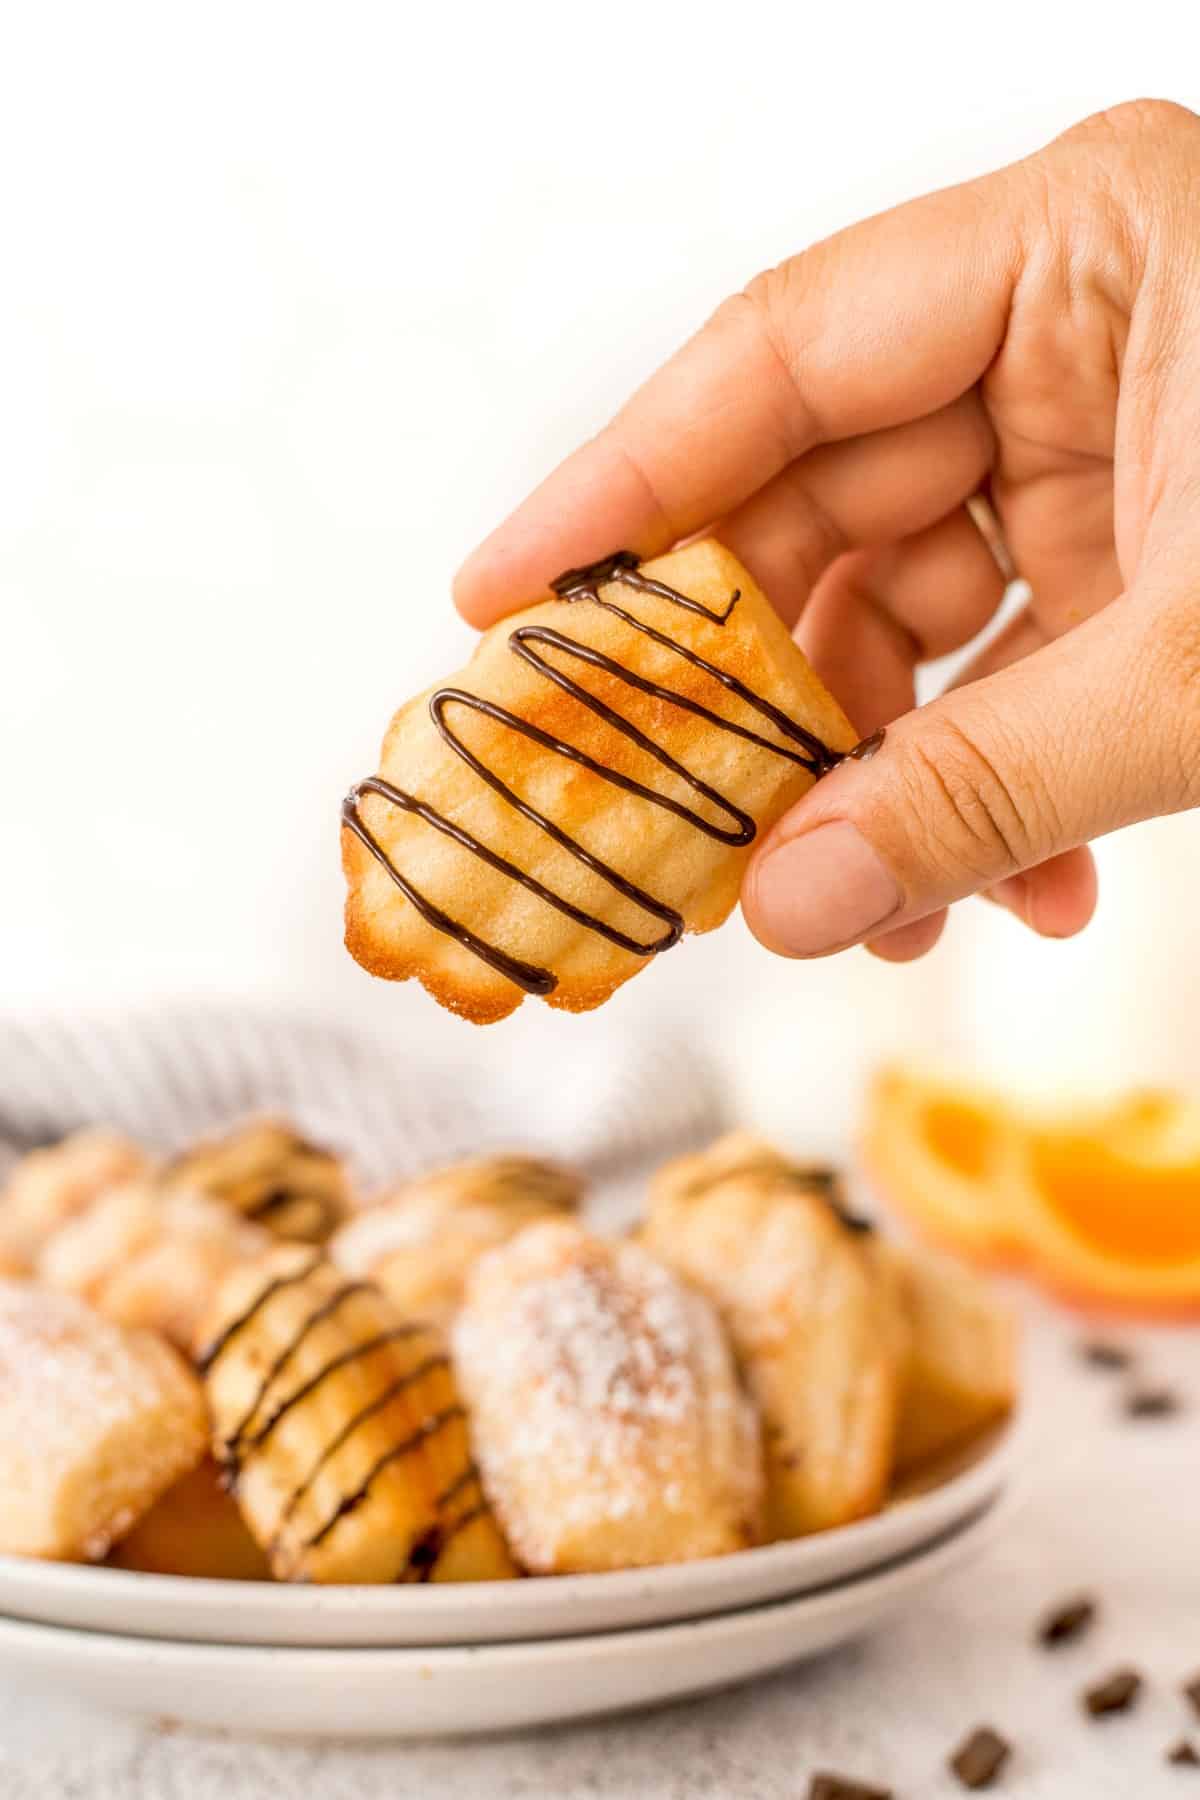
(1093, 732)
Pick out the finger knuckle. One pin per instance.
(1141, 154)
(1132, 125)
(980, 820)
(770, 294)
(786, 301)
(772, 306)
(1137, 160)
(1145, 116)
(756, 313)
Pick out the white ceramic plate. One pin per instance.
(164, 1606)
(482, 1687)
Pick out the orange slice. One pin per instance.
(1110, 1204)
(1100, 1204)
(939, 1152)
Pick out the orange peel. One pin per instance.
(1098, 1203)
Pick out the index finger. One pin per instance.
(878, 325)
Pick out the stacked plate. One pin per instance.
(412, 1661)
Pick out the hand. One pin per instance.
(1034, 335)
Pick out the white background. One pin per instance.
(294, 303)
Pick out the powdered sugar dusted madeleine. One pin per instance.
(608, 1419)
(419, 1242)
(341, 1430)
(49, 1186)
(812, 1322)
(267, 1172)
(586, 788)
(145, 1257)
(95, 1423)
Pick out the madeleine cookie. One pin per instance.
(812, 1322)
(50, 1186)
(268, 1173)
(341, 1432)
(959, 1372)
(148, 1258)
(587, 788)
(195, 1529)
(608, 1419)
(419, 1242)
(96, 1422)
(740, 1153)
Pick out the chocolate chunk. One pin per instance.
(1102, 1353)
(1191, 1691)
(1116, 1693)
(1067, 1622)
(979, 1760)
(1184, 1755)
(1151, 1403)
(841, 1787)
(425, 1551)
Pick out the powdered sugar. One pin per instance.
(604, 1395)
(75, 1391)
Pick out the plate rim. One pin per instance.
(930, 1561)
(283, 1600)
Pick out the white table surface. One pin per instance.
(1112, 1507)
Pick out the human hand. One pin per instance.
(1034, 335)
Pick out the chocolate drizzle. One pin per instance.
(308, 1201)
(624, 565)
(469, 1474)
(355, 1353)
(221, 1342)
(274, 1370)
(257, 1424)
(422, 1560)
(828, 1182)
(868, 747)
(373, 1407)
(529, 642)
(351, 1502)
(422, 1557)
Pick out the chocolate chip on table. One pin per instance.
(1068, 1621)
(841, 1787)
(1184, 1755)
(1191, 1691)
(1116, 1693)
(1151, 1403)
(979, 1760)
(1102, 1353)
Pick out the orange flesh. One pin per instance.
(959, 1135)
(1149, 1216)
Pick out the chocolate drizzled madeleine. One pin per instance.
(268, 1174)
(587, 788)
(340, 1430)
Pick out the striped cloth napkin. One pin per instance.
(166, 1077)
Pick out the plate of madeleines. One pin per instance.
(285, 1457)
